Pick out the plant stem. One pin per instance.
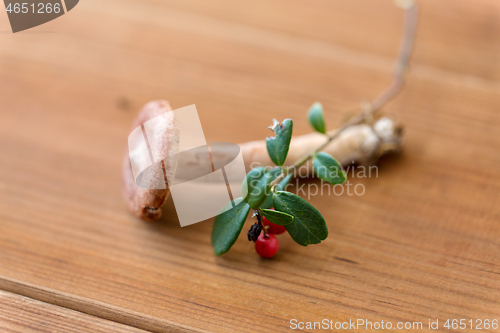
(367, 110)
(259, 220)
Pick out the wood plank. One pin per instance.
(421, 243)
(452, 34)
(23, 314)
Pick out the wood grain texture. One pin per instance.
(422, 242)
(24, 315)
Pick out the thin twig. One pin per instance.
(407, 41)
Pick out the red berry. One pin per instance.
(273, 228)
(267, 247)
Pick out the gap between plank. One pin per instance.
(93, 308)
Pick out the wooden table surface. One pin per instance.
(422, 242)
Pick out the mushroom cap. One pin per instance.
(143, 201)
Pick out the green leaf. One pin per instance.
(275, 172)
(278, 145)
(257, 185)
(328, 168)
(308, 226)
(277, 217)
(316, 117)
(228, 225)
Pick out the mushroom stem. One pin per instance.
(359, 144)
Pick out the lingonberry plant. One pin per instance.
(374, 137)
(276, 209)
(267, 187)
